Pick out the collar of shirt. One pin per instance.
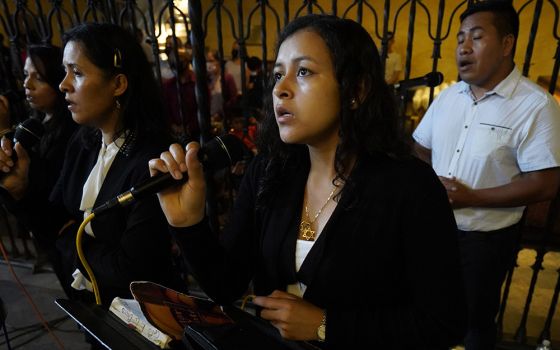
(505, 88)
(92, 186)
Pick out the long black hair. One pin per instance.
(370, 128)
(114, 50)
(47, 60)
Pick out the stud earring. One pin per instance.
(353, 101)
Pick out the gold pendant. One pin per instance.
(305, 231)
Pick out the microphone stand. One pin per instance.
(400, 95)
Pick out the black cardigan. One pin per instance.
(131, 243)
(386, 266)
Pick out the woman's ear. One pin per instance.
(121, 84)
(359, 96)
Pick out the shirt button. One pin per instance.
(457, 151)
(448, 173)
(466, 126)
(476, 103)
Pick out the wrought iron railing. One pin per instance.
(221, 21)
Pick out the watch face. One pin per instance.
(321, 332)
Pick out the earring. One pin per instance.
(353, 101)
(118, 104)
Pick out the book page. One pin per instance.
(129, 311)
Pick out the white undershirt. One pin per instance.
(302, 249)
(92, 186)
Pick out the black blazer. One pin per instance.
(131, 243)
(386, 266)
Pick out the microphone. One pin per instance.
(218, 153)
(28, 133)
(431, 79)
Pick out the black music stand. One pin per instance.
(108, 329)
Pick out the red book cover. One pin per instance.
(171, 311)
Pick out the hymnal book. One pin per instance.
(171, 311)
(128, 310)
(191, 319)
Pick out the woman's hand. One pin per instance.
(182, 205)
(14, 175)
(294, 317)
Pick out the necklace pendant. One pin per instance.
(306, 232)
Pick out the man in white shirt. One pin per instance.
(494, 140)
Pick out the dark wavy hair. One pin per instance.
(369, 129)
(114, 50)
(47, 60)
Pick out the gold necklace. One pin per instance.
(305, 230)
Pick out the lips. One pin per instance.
(71, 104)
(283, 115)
(283, 112)
(465, 64)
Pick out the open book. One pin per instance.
(171, 311)
(197, 320)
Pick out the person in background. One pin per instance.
(393, 64)
(255, 91)
(221, 102)
(233, 67)
(188, 125)
(167, 71)
(494, 140)
(343, 245)
(111, 93)
(145, 44)
(43, 73)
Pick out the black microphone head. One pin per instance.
(434, 79)
(29, 132)
(221, 152)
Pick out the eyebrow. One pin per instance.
(71, 65)
(297, 60)
(470, 30)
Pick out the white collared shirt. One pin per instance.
(92, 186)
(484, 143)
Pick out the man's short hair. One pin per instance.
(506, 19)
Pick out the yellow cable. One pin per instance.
(83, 257)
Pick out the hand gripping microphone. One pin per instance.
(28, 133)
(218, 153)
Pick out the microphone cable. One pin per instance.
(83, 260)
(28, 296)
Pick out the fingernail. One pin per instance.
(178, 174)
(5, 169)
(10, 163)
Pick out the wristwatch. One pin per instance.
(321, 330)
